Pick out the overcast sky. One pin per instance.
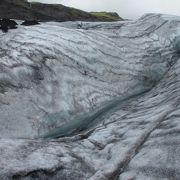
(126, 8)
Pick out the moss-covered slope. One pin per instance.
(107, 16)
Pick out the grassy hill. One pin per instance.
(107, 16)
(21, 9)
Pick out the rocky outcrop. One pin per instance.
(109, 90)
(6, 24)
(30, 23)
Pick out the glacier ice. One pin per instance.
(109, 90)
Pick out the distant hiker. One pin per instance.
(30, 22)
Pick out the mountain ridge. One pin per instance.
(22, 9)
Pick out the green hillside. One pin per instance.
(107, 16)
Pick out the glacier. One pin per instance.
(100, 102)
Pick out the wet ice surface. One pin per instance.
(51, 77)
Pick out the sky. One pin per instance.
(128, 9)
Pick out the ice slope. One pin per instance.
(51, 75)
(53, 78)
